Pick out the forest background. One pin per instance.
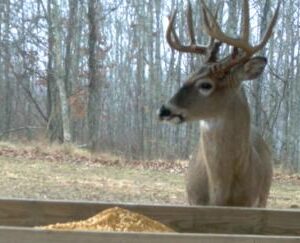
(93, 73)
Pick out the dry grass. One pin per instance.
(64, 172)
(76, 175)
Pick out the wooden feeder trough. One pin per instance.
(193, 224)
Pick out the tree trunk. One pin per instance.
(94, 77)
(55, 75)
(70, 42)
(258, 84)
(7, 76)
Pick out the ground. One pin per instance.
(62, 172)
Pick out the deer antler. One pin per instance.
(213, 29)
(209, 50)
(242, 50)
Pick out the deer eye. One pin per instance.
(205, 88)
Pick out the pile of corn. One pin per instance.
(114, 219)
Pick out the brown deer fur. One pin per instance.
(232, 165)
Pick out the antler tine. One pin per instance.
(173, 39)
(246, 21)
(269, 30)
(170, 30)
(228, 64)
(190, 23)
(212, 40)
(213, 47)
(213, 29)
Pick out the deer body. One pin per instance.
(232, 165)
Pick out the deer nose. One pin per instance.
(164, 112)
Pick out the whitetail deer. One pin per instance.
(232, 165)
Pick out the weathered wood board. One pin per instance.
(23, 235)
(196, 224)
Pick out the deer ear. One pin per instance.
(254, 68)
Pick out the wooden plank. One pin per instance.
(180, 218)
(23, 235)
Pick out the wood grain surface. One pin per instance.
(181, 218)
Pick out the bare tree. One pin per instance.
(59, 74)
(95, 79)
(7, 74)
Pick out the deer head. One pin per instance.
(205, 92)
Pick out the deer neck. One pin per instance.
(225, 139)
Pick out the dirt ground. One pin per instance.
(43, 172)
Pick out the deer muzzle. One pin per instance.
(166, 113)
